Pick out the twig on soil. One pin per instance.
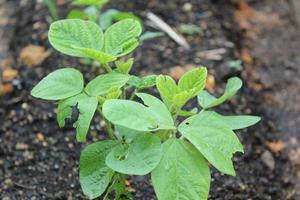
(213, 54)
(159, 23)
(24, 186)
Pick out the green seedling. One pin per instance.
(93, 12)
(145, 135)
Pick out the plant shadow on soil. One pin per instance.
(39, 160)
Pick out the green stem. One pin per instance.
(133, 94)
(107, 67)
(109, 129)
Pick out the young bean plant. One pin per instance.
(146, 135)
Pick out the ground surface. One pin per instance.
(38, 160)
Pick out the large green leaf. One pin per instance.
(182, 173)
(106, 18)
(136, 116)
(158, 110)
(239, 121)
(102, 84)
(206, 100)
(60, 84)
(94, 174)
(139, 157)
(213, 138)
(70, 36)
(126, 133)
(167, 88)
(86, 106)
(193, 81)
(143, 82)
(90, 2)
(122, 37)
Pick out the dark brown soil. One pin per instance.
(38, 160)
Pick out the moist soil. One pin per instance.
(39, 160)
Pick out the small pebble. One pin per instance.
(22, 146)
(187, 7)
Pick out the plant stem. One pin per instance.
(133, 94)
(107, 67)
(109, 129)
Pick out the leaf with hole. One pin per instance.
(86, 107)
(139, 157)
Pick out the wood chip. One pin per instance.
(276, 147)
(33, 55)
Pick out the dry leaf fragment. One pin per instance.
(33, 55)
(177, 71)
(6, 88)
(9, 74)
(276, 147)
(210, 83)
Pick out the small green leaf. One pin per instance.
(213, 138)
(106, 18)
(94, 174)
(139, 157)
(193, 81)
(126, 15)
(239, 121)
(86, 106)
(90, 2)
(142, 83)
(150, 35)
(206, 100)
(69, 36)
(189, 29)
(122, 37)
(103, 83)
(182, 173)
(138, 117)
(167, 88)
(76, 14)
(181, 98)
(60, 84)
(124, 67)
